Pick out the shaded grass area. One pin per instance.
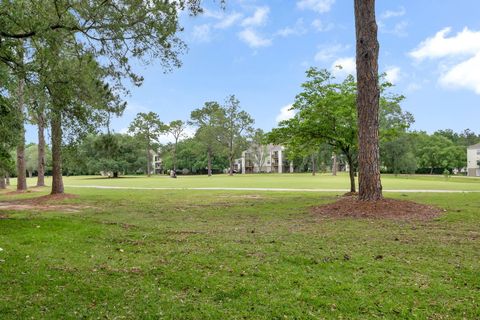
(236, 255)
(299, 181)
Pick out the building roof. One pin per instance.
(475, 146)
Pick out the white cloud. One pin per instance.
(285, 113)
(133, 108)
(319, 26)
(253, 39)
(297, 30)
(201, 33)
(466, 42)
(330, 52)
(393, 13)
(344, 66)
(259, 17)
(224, 20)
(392, 74)
(399, 29)
(320, 6)
(228, 20)
(412, 87)
(123, 130)
(212, 14)
(168, 138)
(458, 55)
(464, 75)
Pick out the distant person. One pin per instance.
(173, 174)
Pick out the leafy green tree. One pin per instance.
(9, 124)
(112, 154)
(208, 121)
(36, 101)
(79, 99)
(465, 138)
(432, 151)
(119, 30)
(148, 128)
(31, 157)
(41, 122)
(326, 113)
(191, 157)
(177, 129)
(455, 157)
(110, 32)
(259, 148)
(237, 126)
(398, 154)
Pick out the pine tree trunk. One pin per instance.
(334, 165)
(368, 93)
(209, 164)
(57, 180)
(175, 157)
(351, 173)
(314, 166)
(149, 165)
(41, 150)
(21, 166)
(231, 165)
(3, 184)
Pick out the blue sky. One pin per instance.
(259, 51)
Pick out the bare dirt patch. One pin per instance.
(17, 192)
(51, 198)
(351, 207)
(43, 203)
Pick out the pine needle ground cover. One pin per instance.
(186, 254)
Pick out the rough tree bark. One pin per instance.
(314, 165)
(351, 172)
(368, 93)
(175, 156)
(149, 165)
(209, 163)
(41, 150)
(21, 166)
(231, 165)
(3, 184)
(57, 180)
(334, 165)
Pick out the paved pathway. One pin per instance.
(266, 189)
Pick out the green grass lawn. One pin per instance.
(183, 254)
(300, 181)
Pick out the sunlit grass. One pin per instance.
(186, 254)
(298, 181)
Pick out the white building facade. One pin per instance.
(473, 160)
(268, 159)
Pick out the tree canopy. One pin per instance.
(326, 113)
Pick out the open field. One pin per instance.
(191, 254)
(291, 181)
